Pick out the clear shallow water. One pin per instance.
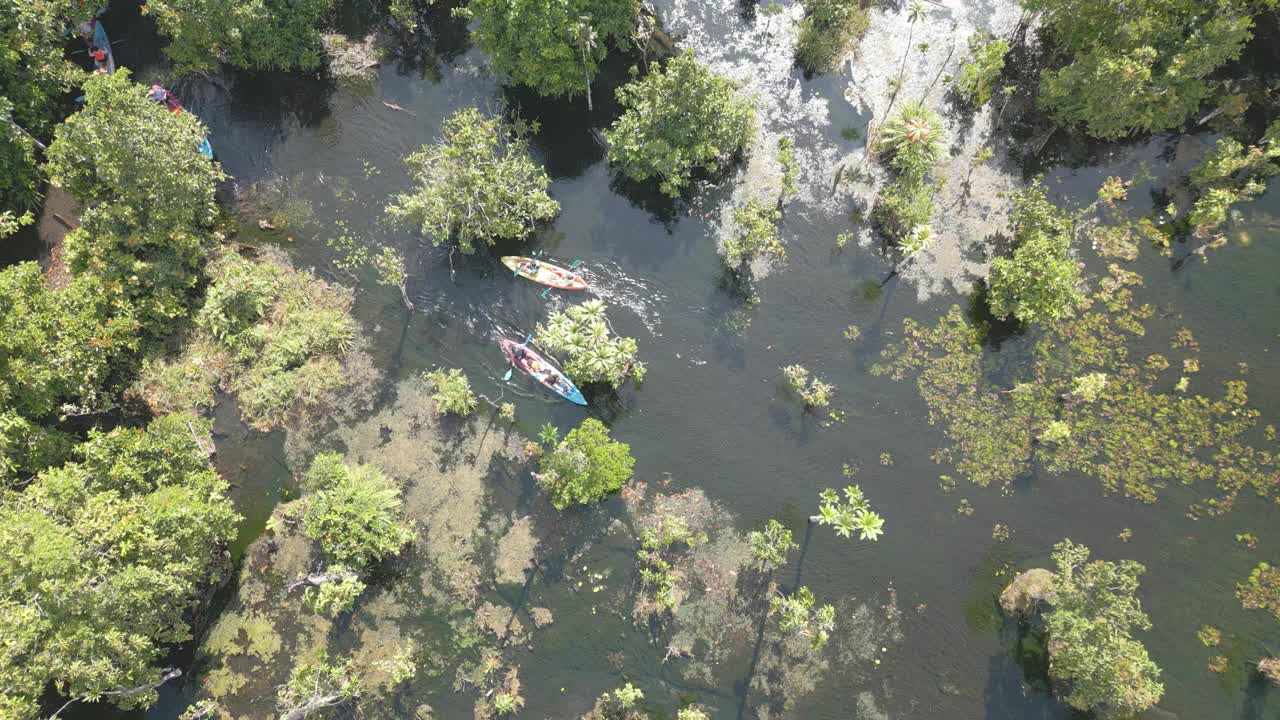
(710, 413)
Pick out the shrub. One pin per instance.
(979, 72)
(1231, 174)
(1040, 281)
(903, 211)
(353, 512)
(755, 235)
(335, 596)
(676, 119)
(582, 333)
(913, 140)
(770, 545)
(796, 614)
(585, 467)
(828, 32)
(476, 185)
(452, 392)
(1094, 661)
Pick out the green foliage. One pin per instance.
(27, 448)
(1095, 662)
(790, 170)
(627, 696)
(19, 178)
(769, 546)
(1040, 281)
(476, 185)
(100, 560)
(1230, 174)
(353, 511)
(147, 195)
(335, 596)
(692, 713)
(1138, 67)
(585, 467)
(828, 32)
(319, 683)
(581, 332)
(1209, 636)
(250, 34)
(913, 140)
(796, 614)
(903, 211)
(1262, 590)
(505, 703)
(656, 544)
(979, 72)
(850, 514)
(678, 118)
(451, 392)
(551, 46)
(813, 391)
(755, 235)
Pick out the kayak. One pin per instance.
(108, 65)
(547, 274)
(547, 374)
(166, 98)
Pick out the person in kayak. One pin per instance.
(530, 267)
(160, 96)
(99, 56)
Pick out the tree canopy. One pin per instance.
(476, 185)
(585, 467)
(677, 119)
(353, 511)
(553, 46)
(1097, 664)
(1133, 67)
(582, 333)
(252, 34)
(101, 558)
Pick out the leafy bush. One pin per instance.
(676, 119)
(903, 211)
(585, 467)
(353, 512)
(1094, 661)
(770, 545)
(913, 140)
(828, 32)
(581, 332)
(656, 542)
(335, 596)
(1138, 67)
(318, 682)
(476, 185)
(551, 46)
(755, 235)
(1040, 281)
(101, 560)
(1230, 174)
(978, 73)
(796, 614)
(250, 34)
(452, 392)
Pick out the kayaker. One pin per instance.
(99, 56)
(531, 267)
(161, 96)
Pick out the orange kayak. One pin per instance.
(545, 273)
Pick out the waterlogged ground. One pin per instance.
(497, 576)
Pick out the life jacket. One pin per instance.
(99, 55)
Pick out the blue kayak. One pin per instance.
(537, 367)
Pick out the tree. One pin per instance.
(912, 143)
(828, 31)
(147, 194)
(551, 46)
(1095, 663)
(1137, 67)
(585, 467)
(477, 184)
(353, 511)
(979, 72)
(755, 235)
(582, 333)
(1231, 174)
(250, 34)
(850, 514)
(1040, 281)
(770, 545)
(677, 119)
(452, 392)
(100, 561)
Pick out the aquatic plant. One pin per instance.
(656, 542)
(1270, 669)
(507, 704)
(1121, 69)
(755, 235)
(677, 119)
(582, 333)
(790, 170)
(1094, 662)
(813, 391)
(1039, 281)
(1209, 635)
(851, 513)
(353, 511)
(317, 684)
(544, 45)
(101, 561)
(584, 467)
(1231, 174)
(1262, 590)
(692, 713)
(452, 392)
(978, 73)
(828, 32)
(796, 614)
(336, 594)
(476, 185)
(770, 545)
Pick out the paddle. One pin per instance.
(507, 377)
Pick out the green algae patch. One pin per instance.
(1085, 401)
